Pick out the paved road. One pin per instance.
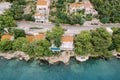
(70, 29)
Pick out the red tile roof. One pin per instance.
(39, 37)
(6, 36)
(41, 2)
(76, 5)
(30, 38)
(86, 5)
(67, 39)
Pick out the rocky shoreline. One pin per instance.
(62, 57)
(17, 54)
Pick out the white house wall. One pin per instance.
(67, 46)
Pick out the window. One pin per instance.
(41, 22)
(44, 8)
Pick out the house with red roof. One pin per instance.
(85, 4)
(42, 11)
(67, 43)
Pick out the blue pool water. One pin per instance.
(55, 49)
(35, 70)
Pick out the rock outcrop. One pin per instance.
(82, 58)
(62, 57)
(17, 54)
(116, 54)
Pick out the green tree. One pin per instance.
(57, 41)
(19, 33)
(83, 44)
(71, 1)
(55, 35)
(7, 21)
(29, 17)
(104, 19)
(19, 43)
(28, 48)
(88, 17)
(116, 38)
(108, 10)
(8, 13)
(5, 45)
(101, 41)
(41, 47)
(17, 9)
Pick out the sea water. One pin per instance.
(93, 69)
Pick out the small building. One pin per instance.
(40, 18)
(36, 37)
(7, 36)
(67, 43)
(74, 7)
(86, 5)
(42, 11)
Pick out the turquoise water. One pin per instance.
(34, 70)
(55, 49)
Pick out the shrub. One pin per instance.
(5, 45)
(118, 49)
(19, 43)
(19, 33)
(29, 17)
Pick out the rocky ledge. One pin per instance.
(116, 54)
(64, 57)
(17, 54)
(82, 58)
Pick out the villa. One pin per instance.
(7, 36)
(85, 4)
(67, 43)
(42, 11)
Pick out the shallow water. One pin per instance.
(34, 70)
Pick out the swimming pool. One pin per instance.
(55, 49)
